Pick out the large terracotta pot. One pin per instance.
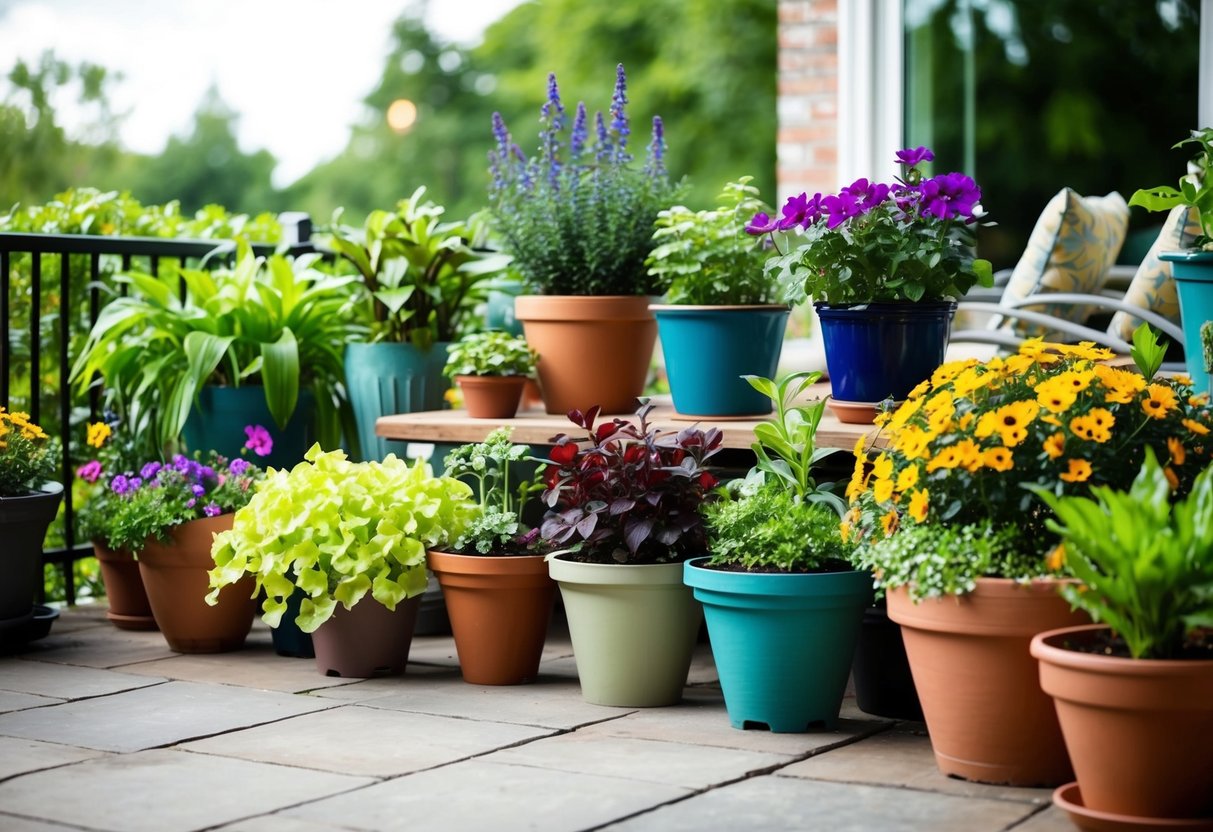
(367, 640)
(491, 397)
(592, 350)
(1140, 731)
(175, 577)
(988, 719)
(500, 608)
(129, 608)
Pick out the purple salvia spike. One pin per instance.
(656, 159)
(619, 119)
(577, 143)
(604, 138)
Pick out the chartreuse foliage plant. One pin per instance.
(338, 530)
(490, 354)
(1143, 558)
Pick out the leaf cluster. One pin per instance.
(490, 354)
(1144, 560)
(627, 492)
(27, 455)
(773, 529)
(491, 465)
(338, 530)
(1195, 187)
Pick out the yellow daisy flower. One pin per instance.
(1177, 451)
(907, 479)
(947, 458)
(919, 504)
(1095, 426)
(889, 522)
(1196, 427)
(949, 371)
(1079, 471)
(882, 491)
(912, 442)
(1056, 558)
(1159, 401)
(968, 453)
(1172, 478)
(920, 389)
(1056, 398)
(1055, 445)
(999, 459)
(882, 467)
(98, 432)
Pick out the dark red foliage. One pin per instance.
(627, 492)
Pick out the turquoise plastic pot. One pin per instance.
(783, 643)
(499, 305)
(709, 348)
(221, 414)
(385, 379)
(1193, 272)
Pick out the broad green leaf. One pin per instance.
(280, 374)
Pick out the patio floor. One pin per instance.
(102, 729)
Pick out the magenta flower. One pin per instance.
(259, 440)
(913, 156)
(840, 208)
(950, 195)
(761, 224)
(90, 472)
(800, 211)
(867, 194)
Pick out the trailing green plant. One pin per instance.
(1143, 559)
(422, 277)
(499, 529)
(490, 354)
(338, 530)
(276, 322)
(27, 457)
(773, 530)
(707, 258)
(1195, 187)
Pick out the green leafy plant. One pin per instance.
(706, 257)
(422, 277)
(1195, 187)
(773, 530)
(490, 354)
(499, 529)
(277, 322)
(26, 455)
(338, 530)
(1147, 351)
(1206, 345)
(1142, 559)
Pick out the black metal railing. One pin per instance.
(106, 256)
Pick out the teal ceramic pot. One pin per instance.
(783, 643)
(1193, 272)
(499, 305)
(388, 378)
(708, 349)
(221, 414)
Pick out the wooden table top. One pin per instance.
(535, 427)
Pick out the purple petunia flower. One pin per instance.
(868, 194)
(150, 470)
(259, 440)
(950, 195)
(840, 207)
(238, 467)
(90, 471)
(761, 224)
(206, 472)
(800, 211)
(191, 502)
(181, 463)
(197, 490)
(121, 485)
(913, 156)
(211, 510)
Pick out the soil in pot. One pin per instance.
(129, 608)
(366, 641)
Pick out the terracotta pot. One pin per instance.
(491, 397)
(129, 608)
(368, 640)
(1140, 731)
(500, 608)
(592, 350)
(988, 719)
(175, 578)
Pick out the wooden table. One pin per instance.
(535, 427)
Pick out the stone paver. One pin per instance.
(477, 795)
(45, 679)
(280, 823)
(257, 667)
(19, 756)
(101, 647)
(367, 741)
(785, 803)
(13, 701)
(165, 791)
(1051, 819)
(902, 758)
(12, 823)
(154, 716)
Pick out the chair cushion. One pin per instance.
(1074, 243)
(1152, 287)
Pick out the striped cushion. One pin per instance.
(1152, 287)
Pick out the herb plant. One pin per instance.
(27, 456)
(338, 530)
(706, 257)
(626, 492)
(873, 242)
(1142, 559)
(490, 354)
(578, 216)
(1195, 187)
(499, 528)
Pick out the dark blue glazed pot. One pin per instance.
(877, 351)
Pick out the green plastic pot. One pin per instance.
(389, 378)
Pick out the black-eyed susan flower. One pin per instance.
(1195, 426)
(1159, 401)
(1055, 445)
(889, 522)
(1176, 450)
(1095, 426)
(1079, 470)
(920, 502)
(998, 459)
(908, 478)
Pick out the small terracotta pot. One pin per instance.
(500, 607)
(368, 640)
(491, 397)
(988, 719)
(1140, 731)
(129, 608)
(175, 577)
(592, 350)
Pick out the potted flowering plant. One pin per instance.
(491, 369)
(721, 319)
(624, 502)
(578, 219)
(28, 502)
(494, 579)
(884, 264)
(964, 551)
(781, 599)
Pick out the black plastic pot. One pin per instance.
(289, 640)
(23, 524)
(883, 684)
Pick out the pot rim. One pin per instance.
(743, 582)
(596, 308)
(886, 305)
(733, 307)
(1046, 648)
(48, 488)
(511, 379)
(614, 574)
(1187, 255)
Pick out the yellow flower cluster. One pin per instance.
(18, 424)
(98, 433)
(964, 443)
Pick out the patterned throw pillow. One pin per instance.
(1152, 287)
(1074, 243)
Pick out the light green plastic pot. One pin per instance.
(633, 629)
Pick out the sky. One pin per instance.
(295, 70)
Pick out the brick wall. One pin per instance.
(807, 137)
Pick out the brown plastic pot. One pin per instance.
(1140, 731)
(500, 607)
(988, 719)
(175, 577)
(592, 350)
(129, 608)
(491, 397)
(367, 640)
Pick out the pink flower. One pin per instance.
(90, 472)
(259, 440)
